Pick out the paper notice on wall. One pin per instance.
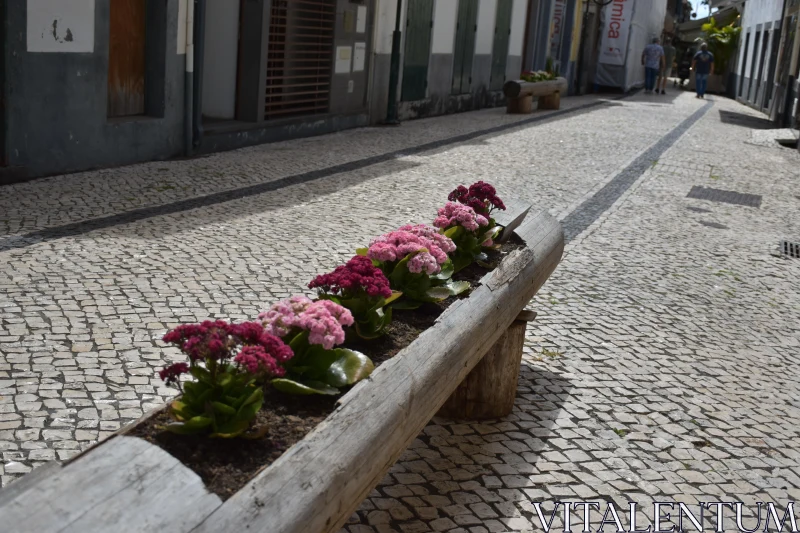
(182, 26)
(614, 44)
(359, 57)
(60, 25)
(361, 19)
(343, 57)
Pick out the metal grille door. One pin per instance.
(299, 58)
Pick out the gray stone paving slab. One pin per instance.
(660, 366)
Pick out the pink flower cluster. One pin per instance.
(429, 246)
(454, 214)
(217, 341)
(358, 274)
(480, 196)
(324, 320)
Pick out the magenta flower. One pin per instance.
(256, 359)
(358, 274)
(480, 196)
(454, 214)
(216, 341)
(170, 374)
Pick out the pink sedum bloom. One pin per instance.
(423, 263)
(455, 214)
(429, 247)
(324, 320)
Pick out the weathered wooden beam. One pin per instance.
(518, 88)
(318, 483)
(515, 212)
(125, 484)
(128, 484)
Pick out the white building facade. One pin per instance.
(759, 46)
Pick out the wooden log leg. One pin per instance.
(489, 390)
(521, 105)
(552, 101)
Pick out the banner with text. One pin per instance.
(614, 44)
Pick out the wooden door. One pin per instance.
(126, 58)
(502, 32)
(419, 24)
(466, 28)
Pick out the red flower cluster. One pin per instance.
(358, 274)
(480, 196)
(170, 374)
(217, 340)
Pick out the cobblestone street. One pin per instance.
(662, 365)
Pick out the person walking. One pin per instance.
(666, 70)
(653, 61)
(703, 66)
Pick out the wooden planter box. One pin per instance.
(520, 94)
(128, 484)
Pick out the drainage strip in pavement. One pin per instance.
(590, 210)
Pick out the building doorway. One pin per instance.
(126, 58)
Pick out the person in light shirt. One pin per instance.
(653, 61)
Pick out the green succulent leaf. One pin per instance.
(395, 295)
(350, 367)
(362, 251)
(438, 293)
(406, 304)
(193, 425)
(448, 268)
(290, 386)
(457, 287)
(223, 409)
(200, 374)
(231, 429)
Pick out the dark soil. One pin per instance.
(226, 465)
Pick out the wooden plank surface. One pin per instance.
(517, 88)
(126, 58)
(125, 484)
(318, 483)
(515, 212)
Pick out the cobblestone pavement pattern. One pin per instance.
(661, 365)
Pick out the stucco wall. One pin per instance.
(57, 106)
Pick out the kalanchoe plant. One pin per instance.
(468, 230)
(414, 259)
(362, 288)
(228, 362)
(480, 196)
(312, 330)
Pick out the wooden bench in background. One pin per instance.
(520, 94)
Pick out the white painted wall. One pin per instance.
(487, 13)
(445, 13)
(384, 26)
(517, 39)
(60, 26)
(764, 12)
(221, 58)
